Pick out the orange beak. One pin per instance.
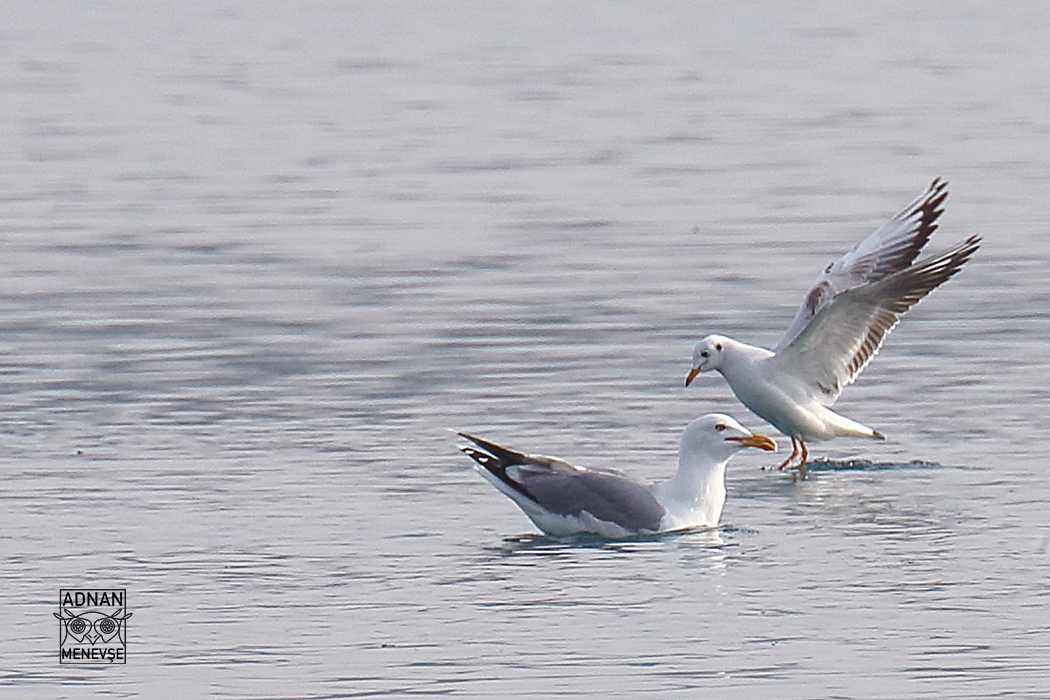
(762, 442)
(692, 375)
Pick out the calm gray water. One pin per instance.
(258, 256)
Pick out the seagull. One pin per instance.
(847, 314)
(565, 500)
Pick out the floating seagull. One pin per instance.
(846, 315)
(562, 499)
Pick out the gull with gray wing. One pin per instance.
(845, 317)
(564, 500)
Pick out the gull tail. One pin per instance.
(841, 426)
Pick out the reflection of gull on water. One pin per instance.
(562, 499)
(846, 315)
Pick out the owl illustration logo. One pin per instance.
(92, 626)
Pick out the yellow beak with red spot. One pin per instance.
(762, 442)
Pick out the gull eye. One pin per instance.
(718, 347)
(704, 353)
(720, 427)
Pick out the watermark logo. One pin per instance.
(92, 625)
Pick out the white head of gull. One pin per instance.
(564, 500)
(848, 312)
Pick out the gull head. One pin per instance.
(719, 436)
(708, 355)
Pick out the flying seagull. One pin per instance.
(564, 500)
(847, 314)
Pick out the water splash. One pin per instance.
(830, 465)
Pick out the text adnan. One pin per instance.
(93, 599)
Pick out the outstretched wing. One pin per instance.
(890, 249)
(561, 488)
(847, 333)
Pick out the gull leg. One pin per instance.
(805, 457)
(794, 453)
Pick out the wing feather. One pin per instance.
(847, 333)
(562, 488)
(890, 249)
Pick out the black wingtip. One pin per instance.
(502, 454)
(495, 460)
(907, 287)
(965, 250)
(944, 266)
(930, 204)
(923, 214)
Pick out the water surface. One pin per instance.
(258, 257)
